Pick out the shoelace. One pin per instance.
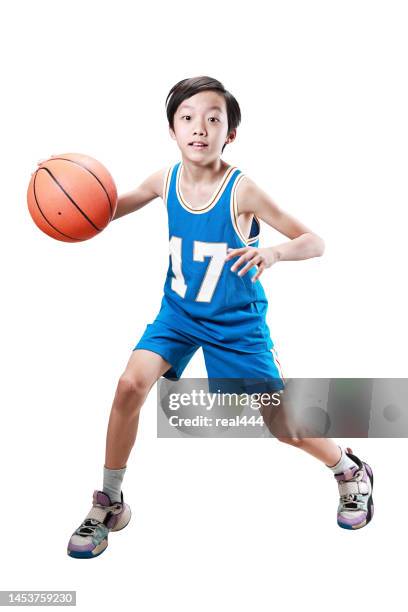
(90, 525)
(354, 501)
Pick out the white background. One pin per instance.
(217, 524)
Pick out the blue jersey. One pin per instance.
(202, 294)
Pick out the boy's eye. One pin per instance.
(189, 117)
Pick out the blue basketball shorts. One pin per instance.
(240, 370)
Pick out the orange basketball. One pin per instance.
(71, 197)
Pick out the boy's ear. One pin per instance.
(231, 136)
(172, 134)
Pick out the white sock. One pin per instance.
(112, 483)
(343, 464)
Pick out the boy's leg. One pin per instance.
(160, 350)
(324, 449)
(143, 369)
(355, 477)
(109, 512)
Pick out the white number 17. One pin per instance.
(216, 250)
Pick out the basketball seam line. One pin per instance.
(90, 172)
(69, 197)
(49, 222)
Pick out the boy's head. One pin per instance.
(200, 109)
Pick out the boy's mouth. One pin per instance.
(197, 144)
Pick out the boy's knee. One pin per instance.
(132, 386)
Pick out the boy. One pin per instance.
(213, 213)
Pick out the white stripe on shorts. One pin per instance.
(277, 362)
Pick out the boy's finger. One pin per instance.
(240, 262)
(261, 268)
(239, 250)
(247, 267)
(235, 252)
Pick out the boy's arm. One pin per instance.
(151, 188)
(303, 242)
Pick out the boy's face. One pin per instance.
(202, 118)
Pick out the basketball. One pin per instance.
(71, 197)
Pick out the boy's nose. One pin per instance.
(199, 127)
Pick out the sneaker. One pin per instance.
(356, 507)
(91, 537)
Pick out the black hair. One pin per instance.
(189, 87)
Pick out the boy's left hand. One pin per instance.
(254, 256)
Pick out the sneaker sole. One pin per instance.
(89, 554)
